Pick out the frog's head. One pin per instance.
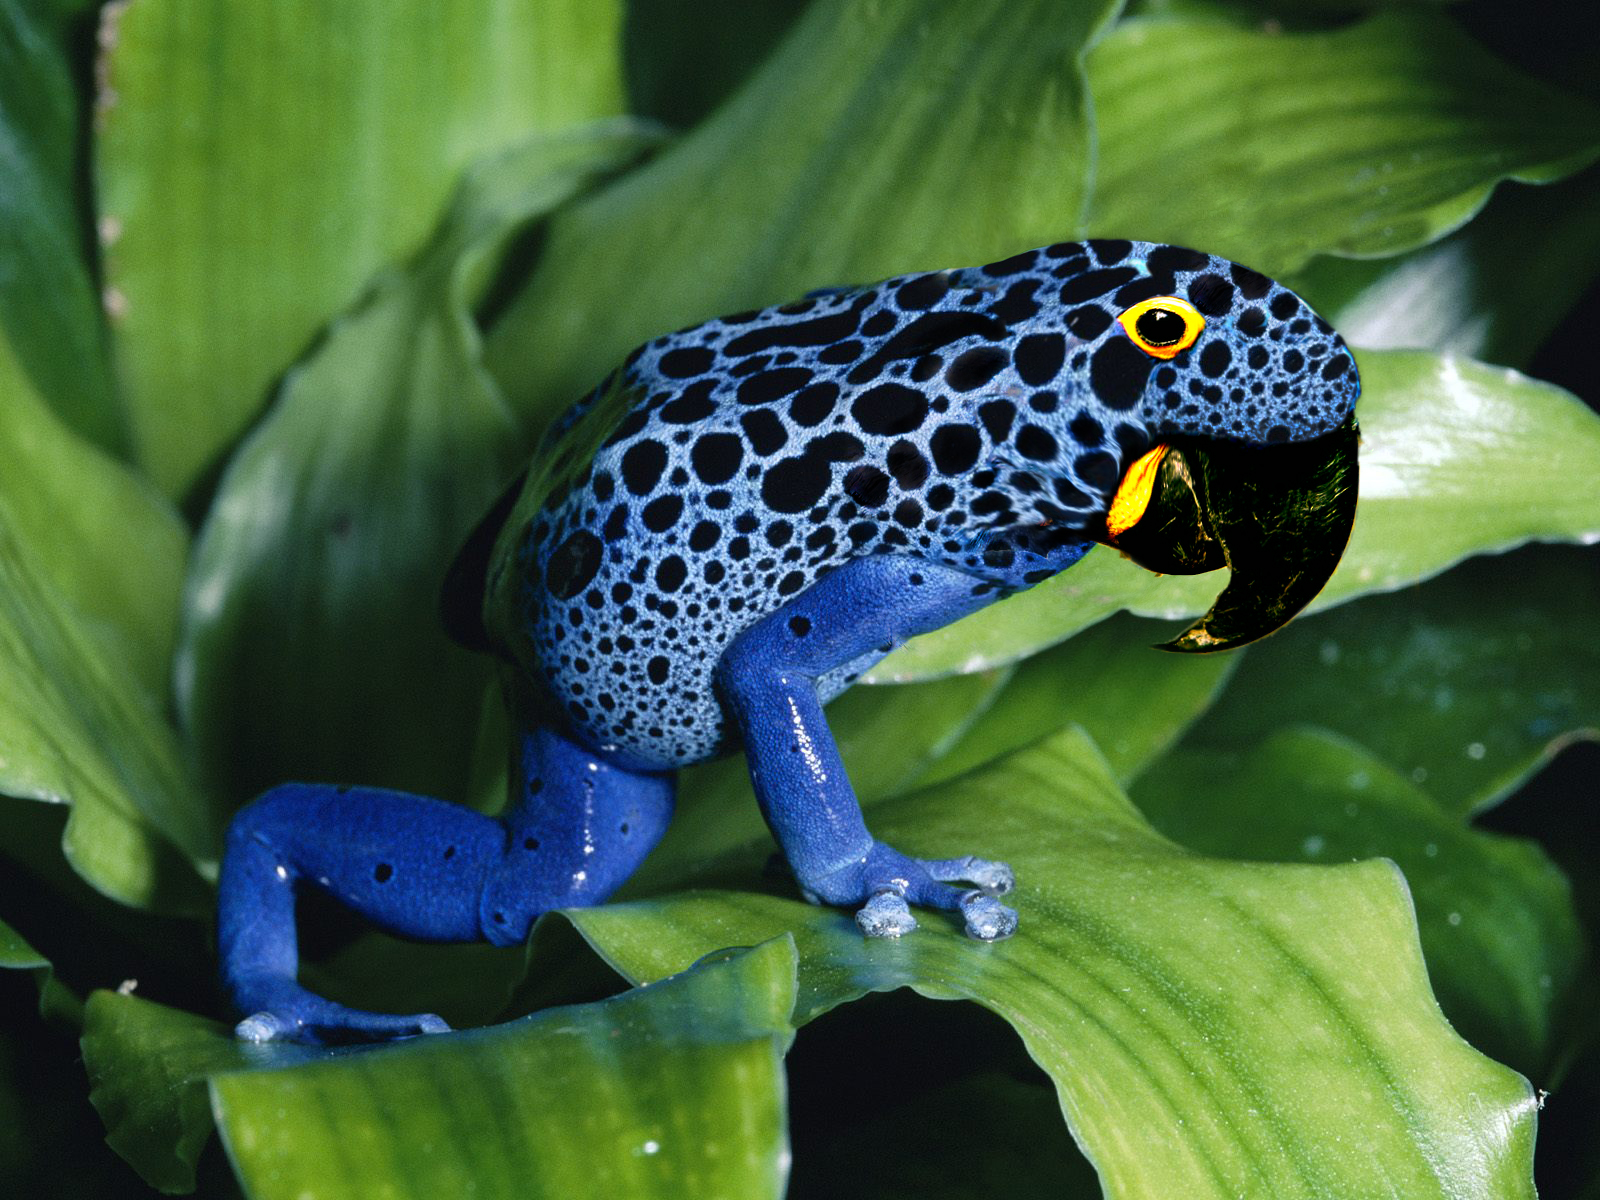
(1248, 452)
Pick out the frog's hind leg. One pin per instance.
(421, 868)
(769, 677)
(578, 825)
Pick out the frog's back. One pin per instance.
(725, 468)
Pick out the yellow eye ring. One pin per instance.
(1154, 326)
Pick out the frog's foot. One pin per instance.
(889, 883)
(287, 1012)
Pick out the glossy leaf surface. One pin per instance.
(1213, 1028)
(1110, 680)
(257, 165)
(1465, 686)
(671, 1091)
(312, 605)
(148, 1065)
(1268, 147)
(90, 562)
(1495, 289)
(1452, 451)
(1498, 929)
(849, 156)
(675, 1090)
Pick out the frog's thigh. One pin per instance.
(768, 677)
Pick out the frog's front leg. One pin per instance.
(769, 677)
(575, 828)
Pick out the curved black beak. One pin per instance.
(1277, 516)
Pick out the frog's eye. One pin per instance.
(1162, 325)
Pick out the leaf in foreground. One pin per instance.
(1457, 458)
(674, 1090)
(1213, 1028)
(1499, 933)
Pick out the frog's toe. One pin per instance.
(886, 915)
(263, 1027)
(987, 919)
(993, 878)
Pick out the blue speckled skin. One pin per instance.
(733, 527)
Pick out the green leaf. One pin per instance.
(1502, 942)
(1132, 700)
(1269, 148)
(90, 564)
(675, 1090)
(671, 1091)
(106, 541)
(1495, 289)
(855, 152)
(257, 165)
(1213, 1028)
(148, 1065)
(312, 646)
(1457, 458)
(1467, 685)
(49, 307)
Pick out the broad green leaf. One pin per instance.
(49, 307)
(1269, 148)
(90, 562)
(148, 1065)
(671, 1091)
(1130, 698)
(312, 646)
(1213, 1028)
(1466, 686)
(860, 149)
(257, 165)
(1494, 289)
(1457, 458)
(1501, 940)
(106, 540)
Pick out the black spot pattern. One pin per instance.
(977, 418)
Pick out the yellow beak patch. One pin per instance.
(1133, 494)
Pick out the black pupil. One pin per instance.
(1160, 327)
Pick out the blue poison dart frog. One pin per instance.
(749, 513)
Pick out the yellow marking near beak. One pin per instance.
(1133, 494)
